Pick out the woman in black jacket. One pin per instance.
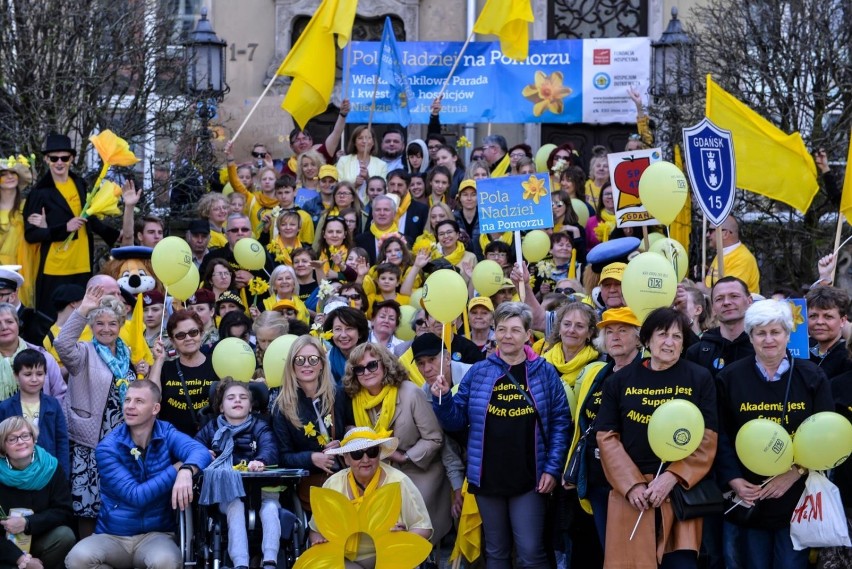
(31, 479)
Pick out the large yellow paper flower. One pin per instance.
(113, 150)
(547, 93)
(105, 201)
(338, 519)
(797, 314)
(534, 189)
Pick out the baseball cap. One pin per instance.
(199, 226)
(327, 171)
(281, 305)
(427, 344)
(621, 315)
(480, 301)
(613, 271)
(469, 183)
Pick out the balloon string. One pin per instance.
(842, 244)
(740, 501)
(163, 317)
(639, 519)
(672, 250)
(443, 334)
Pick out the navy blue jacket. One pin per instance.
(257, 444)
(136, 490)
(52, 427)
(470, 405)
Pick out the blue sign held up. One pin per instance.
(799, 340)
(514, 203)
(711, 168)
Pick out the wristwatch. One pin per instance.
(187, 467)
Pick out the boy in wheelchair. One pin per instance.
(236, 437)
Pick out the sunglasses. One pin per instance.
(66, 158)
(371, 367)
(566, 290)
(302, 361)
(191, 333)
(258, 154)
(420, 322)
(371, 452)
(240, 230)
(354, 296)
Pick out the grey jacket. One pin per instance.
(89, 382)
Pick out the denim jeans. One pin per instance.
(518, 520)
(772, 549)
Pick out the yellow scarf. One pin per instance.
(293, 164)
(502, 168)
(332, 250)
(571, 369)
(379, 234)
(363, 401)
(353, 543)
(403, 206)
(605, 226)
(426, 241)
(456, 256)
(281, 252)
(432, 202)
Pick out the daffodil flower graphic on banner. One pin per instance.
(797, 314)
(547, 93)
(534, 189)
(339, 521)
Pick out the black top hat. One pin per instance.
(58, 143)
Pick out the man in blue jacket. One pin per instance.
(141, 463)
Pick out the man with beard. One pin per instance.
(393, 147)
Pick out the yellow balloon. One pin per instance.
(275, 359)
(764, 447)
(541, 157)
(404, 331)
(233, 357)
(416, 295)
(535, 246)
(187, 286)
(171, 260)
(581, 210)
(653, 237)
(649, 282)
(445, 295)
(663, 190)
(674, 252)
(487, 277)
(250, 254)
(823, 441)
(675, 430)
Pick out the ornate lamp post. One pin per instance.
(206, 85)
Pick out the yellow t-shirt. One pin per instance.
(74, 259)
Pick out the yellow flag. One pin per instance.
(769, 161)
(509, 20)
(469, 535)
(311, 61)
(135, 334)
(846, 196)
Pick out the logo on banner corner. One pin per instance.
(601, 81)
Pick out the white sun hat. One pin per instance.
(361, 438)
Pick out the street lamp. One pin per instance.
(206, 85)
(673, 62)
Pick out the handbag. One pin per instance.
(703, 499)
(572, 471)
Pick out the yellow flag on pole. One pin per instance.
(509, 20)
(469, 535)
(133, 334)
(769, 161)
(311, 61)
(846, 196)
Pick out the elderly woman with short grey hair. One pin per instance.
(11, 344)
(99, 372)
(773, 385)
(512, 400)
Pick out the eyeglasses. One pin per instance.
(371, 452)
(240, 230)
(562, 157)
(353, 296)
(371, 367)
(420, 322)
(475, 157)
(259, 154)
(517, 155)
(492, 256)
(558, 204)
(302, 361)
(53, 158)
(566, 290)
(180, 336)
(27, 437)
(221, 275)
(443, 234)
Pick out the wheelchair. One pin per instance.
(203, 530)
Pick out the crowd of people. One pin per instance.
(101, 445)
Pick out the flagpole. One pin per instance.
(455, 64)
(519, 257)
(347, 71)
(373, 104)
(703, 248)
(837, 235)
(254, 107)
(720, 253)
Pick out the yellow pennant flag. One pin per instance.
(846, 196)
(769, 161)
(469, 536)
(509, 20)
(311, 61)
